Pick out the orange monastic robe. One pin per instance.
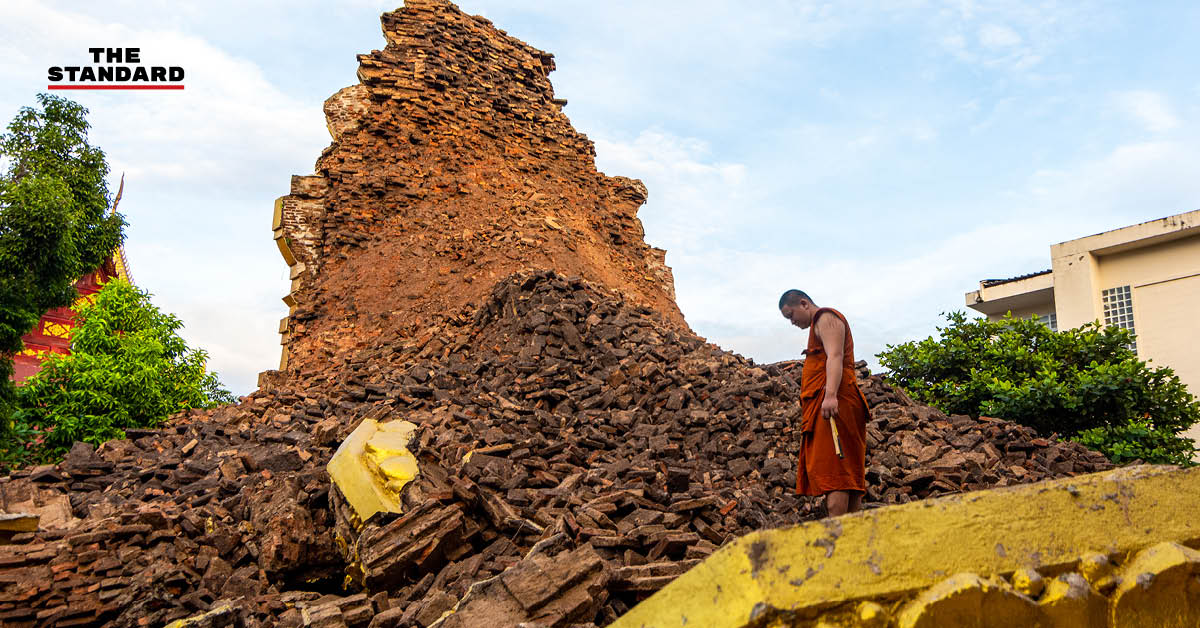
(819, 470)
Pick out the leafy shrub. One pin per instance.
(128, 368)
(1084, 382)
(23, 444)
(1138, 440)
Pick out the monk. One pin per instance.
(832, 462)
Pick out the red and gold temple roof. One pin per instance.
(52, 334)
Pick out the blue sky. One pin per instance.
(884, 157)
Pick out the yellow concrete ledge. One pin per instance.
(277, 214)
(1112, 545)
(281, 241)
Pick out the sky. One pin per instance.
(882, 156)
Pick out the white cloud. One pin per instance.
(956, 45)
(226, 290)
(921, 131)
(240, 344)
(998, 36)
(691, 196)
(671, 53)
(1131, 183)
(1148, 108)
(1015, 38)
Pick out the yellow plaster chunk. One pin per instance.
(401, 467)
(372, 466)
(1095, 567)
(967, 601)
(285, 250)
(1028, 581)
(204, 618)
(1070, 602)
(1158, 589)
(871, 615)
(18, 522)
(383, 445)
(398, 427)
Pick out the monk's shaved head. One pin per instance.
(792, 297)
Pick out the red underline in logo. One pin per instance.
(114, 87)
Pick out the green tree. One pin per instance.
(1085, 383)
(55, 223)
(128, 368)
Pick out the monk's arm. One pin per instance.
(832, 333)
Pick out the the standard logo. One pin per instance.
(122, 69)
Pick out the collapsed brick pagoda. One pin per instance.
(461, 265)
(452, 166)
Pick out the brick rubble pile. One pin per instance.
(608, 453)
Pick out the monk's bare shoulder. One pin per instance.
(830, 327)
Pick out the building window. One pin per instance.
(1049, 320)
(1118, 309)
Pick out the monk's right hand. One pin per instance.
(829, 407)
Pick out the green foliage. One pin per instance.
(128, 368)
(55, 224)
(1084, 382)
(1138, 440)
(23, 444)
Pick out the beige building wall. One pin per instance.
(1161, 310)
(1165, 283)
(1076, 289)
(1160, 262)
(1025, 297)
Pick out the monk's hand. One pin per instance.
(829, 407)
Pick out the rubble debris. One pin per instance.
(565, 590)
(622, 438)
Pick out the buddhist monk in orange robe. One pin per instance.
(829, 395)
